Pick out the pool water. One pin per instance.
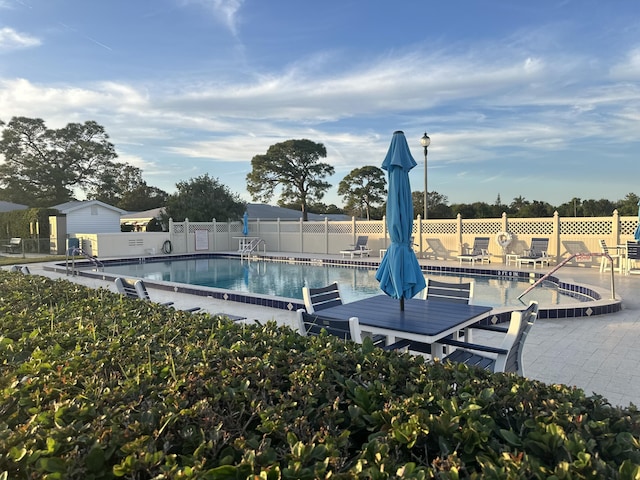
(282, 279)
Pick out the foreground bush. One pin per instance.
(98, 386)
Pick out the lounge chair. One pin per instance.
(435, 249)
(536, 254)
(507, 357)
(20, 268)
(479, 252)
(137, 289)
(359, 248)
(317, 299)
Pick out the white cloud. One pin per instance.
(13, 40)
(225, 11)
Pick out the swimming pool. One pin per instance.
(286, 279)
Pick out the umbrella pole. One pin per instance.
(402, 304)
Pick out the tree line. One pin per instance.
(45, 167)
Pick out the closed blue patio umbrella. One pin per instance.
(245, 224)
(399, 273)
(637, 234)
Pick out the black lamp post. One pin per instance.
(425, 141)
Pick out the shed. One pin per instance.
(90, 216)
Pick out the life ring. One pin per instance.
(167, 247)
(504, 239)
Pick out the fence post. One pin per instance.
(459, 228)
(326, 236)
(279, 234)
(186, 235)
(301, 224)
(420, 246)
(556, 234)
(615, 227)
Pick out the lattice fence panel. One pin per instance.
(628, 227)
(221, 228)
(371, 228)
(586, 227)
(178, 228)
(200, 226)
(313, 227)
(340, 228)
(528, 227)
(481, 227)
(440, 228)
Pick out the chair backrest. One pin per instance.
(448, 292)
(141, 290)
(126, 288)
(317, 299)
(633, 250)
(603, 246)
(480, 245)
(25, 270)
(310, 324)
(362, 241)
(539, 247)
(436, 245)
(519, 327)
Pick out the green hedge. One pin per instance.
(98, 386)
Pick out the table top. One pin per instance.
(430, 318)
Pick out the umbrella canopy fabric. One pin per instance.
(245, 224)
(399, 273)
(637, 234)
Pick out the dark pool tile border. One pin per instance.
(593, 304)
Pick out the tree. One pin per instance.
(202, 199)
(294, 166)
(363, 188)
(628, 205)
(43, 167)
(438, 204)
(122, 185)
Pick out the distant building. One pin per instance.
(91, 216)
(138, 221)
(10, 207)
(270, 212)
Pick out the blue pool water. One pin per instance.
(282, 279)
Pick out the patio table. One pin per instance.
(425, 321)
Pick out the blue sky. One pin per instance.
(533, 99)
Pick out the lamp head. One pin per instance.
(425, 140)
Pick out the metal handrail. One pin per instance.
(72, 252)
(252, 247)
(567, 260)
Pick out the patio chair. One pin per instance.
(448, 291)
(479, 252)
(536, 254)
(317, 299)
(505, 358)
(615, 258)
(435, 249)
(137, 289)
(311, 324)
(359, 248)
(633, 255)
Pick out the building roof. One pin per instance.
(10, 206)
(271, 212)
(69, 207)
(144, 215)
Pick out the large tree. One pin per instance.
(363, 188)
(294, 166)
(202, 199)
(43, 167)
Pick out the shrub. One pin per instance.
(95, 385)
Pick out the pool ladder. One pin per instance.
(70, 261)
(252, 246)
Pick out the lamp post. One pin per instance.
(425, 141)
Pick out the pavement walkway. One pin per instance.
(599, 354)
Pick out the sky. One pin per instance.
(539, 100)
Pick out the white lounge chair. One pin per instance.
(359, 248)
(536, 254)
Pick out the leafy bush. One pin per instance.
(99, 386)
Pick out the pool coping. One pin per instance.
(598, 305)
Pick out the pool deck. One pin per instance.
(598, 354)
